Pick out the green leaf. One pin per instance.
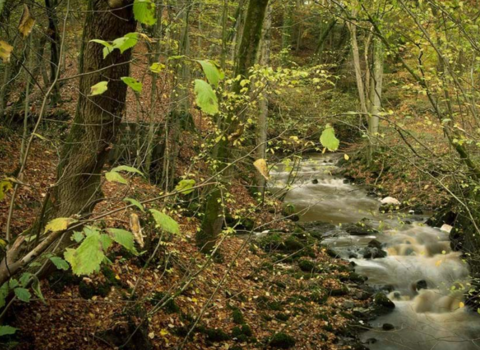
(36, 287)
(13, 283)
(99, 88)
(5, 185)
(165, 222)
(106, 242)
(185, 186)
(59, 263)
(113, 176)
(128, 169)
(213, 74)
(87, 257)
(125, 42)
(78, 236)
(157, 67)
(22, 294)
(108, 48)
(134, 84)
(124, 238)
(7, 330)
(328, 139)
(59, 224)
(135, 203)
(25, 278)
(144, 12)
(206, 97)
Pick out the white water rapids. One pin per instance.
(424, 318)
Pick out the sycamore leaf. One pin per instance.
(213, 74)
(26, 22)
(134, 84)
(328, 139)
(135, 203)
(113, 176)
(124, 238)
(5, 185)
(7, 330)
(144, 12)
(157, 67)
(206, 97)
(22, 294)
(87, 258)
(261, 166)
(128, 169)
(125, 42)
(59, 224)
(99, 88)
(165, 222)
(108, 48)
(185, 186)
(59, 263)
(5, 51)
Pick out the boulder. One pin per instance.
(390, 201)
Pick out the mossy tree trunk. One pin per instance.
(247, 54)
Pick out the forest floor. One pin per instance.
(280, 291)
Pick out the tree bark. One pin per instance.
(94, 127)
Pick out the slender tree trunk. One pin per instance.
(324, 36)
(54, 36)
(375, 96)
(247, 54)
(262, 126)
(357, 65)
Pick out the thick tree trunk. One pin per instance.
(94, 127)
(247, 54)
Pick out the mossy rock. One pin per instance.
(271, 242)
(58, 280)
(238, 316)
(338, 292)
(282, 317)
(291, 244)
(243, 330)
(382, 303)
(214, 334)
(306, 265)
(282, 341)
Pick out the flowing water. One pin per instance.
(420, 273)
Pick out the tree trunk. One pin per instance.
(375, 96)
(54, 45)
(262, 127)
(252, 33)
(94, 127)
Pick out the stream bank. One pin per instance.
(416, 276)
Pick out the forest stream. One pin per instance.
(413, 263)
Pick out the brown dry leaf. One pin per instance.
(26, 22)
(5, 51)
(261, 166)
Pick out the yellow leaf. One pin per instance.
(5, 185)
(261, 166)
(26, 22)
(461, 304)
(438, 263)
(346, 157)
(59, 224)
(5, 51)
(151, 335)
(164, 332)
